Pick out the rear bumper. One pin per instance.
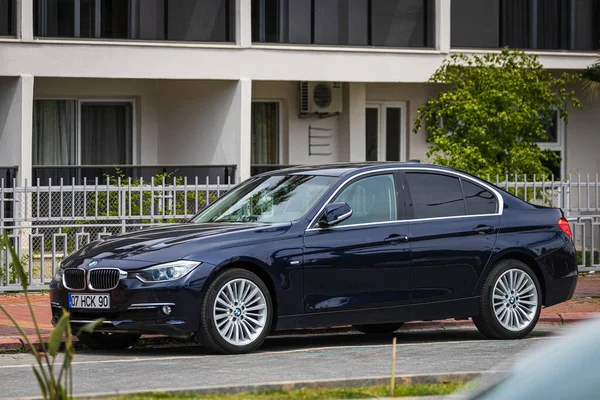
(560, 274)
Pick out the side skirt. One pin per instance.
(461, 308)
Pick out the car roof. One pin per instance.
(340, 169)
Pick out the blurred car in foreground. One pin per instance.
(564, 368)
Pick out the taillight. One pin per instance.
(563, 224)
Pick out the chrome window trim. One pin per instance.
(499, 199)
(87, 321)
(146, 306)
(122, 275)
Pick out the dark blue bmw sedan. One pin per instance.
(367, 245)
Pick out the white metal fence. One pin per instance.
(48, 222)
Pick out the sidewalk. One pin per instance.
(585, 304)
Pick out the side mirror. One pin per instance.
(335, 213)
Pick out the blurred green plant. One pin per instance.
(55, 378)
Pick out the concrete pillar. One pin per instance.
(25, 20)
(352, 123)
(243, 24)
(243, 99)
(16, 114)
(442, 25)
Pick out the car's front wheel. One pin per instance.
(108, 341)
(511, 301)
(236, 312)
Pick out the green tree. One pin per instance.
(591, 80)
(492, 110)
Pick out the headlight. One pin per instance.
(166, 272)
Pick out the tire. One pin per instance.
(235, 322)
(108, 341)
(504, 314)
(378, 329)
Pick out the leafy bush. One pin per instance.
(493, 111)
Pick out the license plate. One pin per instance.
(89, 301)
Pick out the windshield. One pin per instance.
(269, 199)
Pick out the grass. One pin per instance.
(309, 394)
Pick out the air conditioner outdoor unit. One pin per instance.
(320, 98)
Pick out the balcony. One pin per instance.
(80, 174)
(7, 176)
(8, 17)
(383, 23)
(526, 24)
(157, 20)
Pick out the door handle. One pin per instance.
(395, 238)
(483, 229)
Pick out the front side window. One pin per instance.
(269, 199)
(372, 199)
(181, 20)
(435, 195)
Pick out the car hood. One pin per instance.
(167, 243)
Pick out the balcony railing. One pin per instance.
(190, 21)
(384, 23)
(80, 174)
(526, 24)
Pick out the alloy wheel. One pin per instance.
(515, 300)
(240, 312)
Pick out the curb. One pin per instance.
(294, 385)
(16, 343)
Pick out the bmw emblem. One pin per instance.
(237, 312)
(92, 263)
(512, 300)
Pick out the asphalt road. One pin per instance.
(281, 359)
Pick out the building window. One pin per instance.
(7, 18)
(526, 24)
(80, 132)
(265, 135)
(555, 142)
(393, 23)
(181, 20)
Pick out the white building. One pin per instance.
(196, 83)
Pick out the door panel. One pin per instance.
(453, 233)
(449, 255)
(385, 131)
(356, 267)
(365, 261)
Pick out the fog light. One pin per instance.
(166, 310)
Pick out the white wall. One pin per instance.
(10, 122)
(582, 136)
(295, 129)
(199, 122)
(16, 96)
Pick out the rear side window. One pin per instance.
(479, 200)
(435, 195)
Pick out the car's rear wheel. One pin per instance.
(379, 329)
(511, 301)
(108, 341)
(236, 313)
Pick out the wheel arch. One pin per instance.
(256, 269)
(519, 255)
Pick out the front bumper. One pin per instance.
(137, 307)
